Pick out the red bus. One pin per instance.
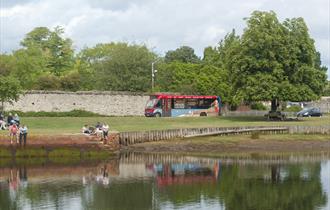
(169, 105)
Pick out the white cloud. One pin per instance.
(161, 24)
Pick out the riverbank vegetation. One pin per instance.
(69, 152)
(239, 145)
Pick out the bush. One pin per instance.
(258, 106)
(48, 82)
(70, 82)
(293, 109)
(255, 135)
(73, 113)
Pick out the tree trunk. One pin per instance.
(2, 108)
(274, 105)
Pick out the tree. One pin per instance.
(10, 90)
(276, 61)
(7, 64)
(118, 66)
(188, 78)
(51, 47)
(222, 57)
(183, 54)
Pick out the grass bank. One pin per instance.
(238, 144)
(53, 153)
(70, 125)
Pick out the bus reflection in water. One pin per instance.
(181, 174)
(165, 105)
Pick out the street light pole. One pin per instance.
(152, 76)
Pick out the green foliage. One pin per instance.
(327, 90)
(117, 66)
(10, 90)
(258, 106)
(293, 109)
(56, 51)
(5, 153)
(64, 152)
(190, 78)
(73, 113)
(70, 82)
(271, 60)
(48, 82)
(7, 64)
(30, 153)
(255, 135)
(183, 54)
(277, 61)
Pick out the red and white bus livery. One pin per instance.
(166, 105)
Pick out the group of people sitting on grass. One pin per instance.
(17, 132)
(101, 130)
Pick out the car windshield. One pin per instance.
(151, 103)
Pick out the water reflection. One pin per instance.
(137, 181)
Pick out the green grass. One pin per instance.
(69, 125)
(31, 153)
(263, 137)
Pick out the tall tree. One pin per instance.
(51, 47)
(183, 54)
(118, 66)
(10, 90)
(276, 61)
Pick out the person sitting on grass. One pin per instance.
(10, 119)
(13, 129)
(16, 119)
(99, 133)
(85, 130)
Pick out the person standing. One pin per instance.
(2, 122)
(13, 129)
(105, 129)
(23, 134)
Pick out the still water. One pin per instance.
(140, 181)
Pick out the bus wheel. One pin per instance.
(203, 114)
(158, 114)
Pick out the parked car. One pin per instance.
(310, 112)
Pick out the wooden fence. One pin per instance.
(128, 138)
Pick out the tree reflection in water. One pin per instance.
(154, 185)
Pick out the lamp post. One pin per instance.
(153, 72)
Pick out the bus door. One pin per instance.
(166, 107)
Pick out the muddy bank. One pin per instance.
(63, 141)
(237, 145)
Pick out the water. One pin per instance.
(136, 181)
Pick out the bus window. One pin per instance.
(192, 103)
(178, 103)
(205, 103)
(159, 104)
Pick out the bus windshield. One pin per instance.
(151, 103)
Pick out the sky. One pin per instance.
(160, 24)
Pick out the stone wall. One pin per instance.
(323, 104)
(106, 103)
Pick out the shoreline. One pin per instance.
(207, 146)
(210, 146)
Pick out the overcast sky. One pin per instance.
(161, 24)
